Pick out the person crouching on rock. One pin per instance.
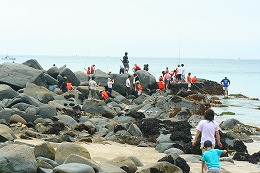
(63, 86)
(103, 94)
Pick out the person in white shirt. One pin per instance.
(128, 85)
(110, 83)
(92, 89)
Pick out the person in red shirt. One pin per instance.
(136, 68)
(88, 71)
(103, 94)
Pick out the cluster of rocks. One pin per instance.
(163, 122)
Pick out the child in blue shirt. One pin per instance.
(211, 158)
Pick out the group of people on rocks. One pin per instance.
(175, 76)
(91, 69)
(125, 67)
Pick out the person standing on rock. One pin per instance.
(92, 89)
(225, 82)
(125, 62)
(128, 86)
(188, 80)
(208, 128)
(110, 83)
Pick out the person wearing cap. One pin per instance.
(92, 69)
(211, 158)
(208, 128)
(110, 83)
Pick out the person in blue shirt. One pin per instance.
(211, 158)
(225, 82)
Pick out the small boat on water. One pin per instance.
(8, 58)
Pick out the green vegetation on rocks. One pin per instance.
(228, 113)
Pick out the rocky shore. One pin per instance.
(66, 122)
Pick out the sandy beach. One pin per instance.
(108, 150)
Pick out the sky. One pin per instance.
(143, 28)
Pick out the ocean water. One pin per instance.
(244, 75)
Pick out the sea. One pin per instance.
(244, 75)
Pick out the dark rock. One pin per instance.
(53, 72)
(239, 146)
(17, 158)
(69, 121)
(241, 156)
(70, 75)
(189, 149)
(50, 80)
(150, 127)
(18, 75)
(6, 134)
(229, 124)
(46, 111)
(146, 79)
(33, 63)
(101, 77)
(55, 127)
(176, 160)
(7, 92)
(83, 77)
(118, 128)
(183, 115)
(160, 167)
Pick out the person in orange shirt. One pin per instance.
(161, 86)
(194, 79)
(103, 94)
(69, 85)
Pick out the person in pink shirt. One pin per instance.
(167, 79)
(208, 128)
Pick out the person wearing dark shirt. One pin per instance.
(125, 61)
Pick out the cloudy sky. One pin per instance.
(144, 28)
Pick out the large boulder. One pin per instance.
(18, 75)
(40, 93)
(229, 124)
(146, 79)
(83, 77)
(66, 149)
(6, 134)
(101, 77)
(73, 167)
(70, 75)
(164, 167)
(44, 150)
(18, 159)
(176, 160)
(53, 72)
(7, 92)
(119, 85)
(50, 80)
(33, 63)
(98, 107)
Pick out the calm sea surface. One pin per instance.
(243, 74)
